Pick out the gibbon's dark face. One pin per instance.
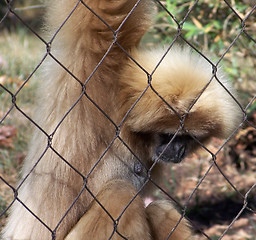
(171, 149)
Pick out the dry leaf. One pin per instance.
(6, 135)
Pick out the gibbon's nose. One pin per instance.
(180, 153)
(173, 152)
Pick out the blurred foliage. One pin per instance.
(28, 10)
(211, 23)
(20, 53)
(211, 27)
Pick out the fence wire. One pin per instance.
(10, 9)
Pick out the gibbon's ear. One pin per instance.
(179, 79)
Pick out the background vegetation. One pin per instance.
(211, 27)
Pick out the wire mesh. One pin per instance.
(118, 127)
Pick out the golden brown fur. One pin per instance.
(85, 133)
(179, 79)
(97, 224)
(153, 223)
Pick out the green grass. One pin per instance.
(20, 54)
(211, 27)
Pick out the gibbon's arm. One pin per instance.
(179, 80)
(94, 25)
(84, 134)
(81, 44)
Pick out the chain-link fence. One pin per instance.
(98, 136)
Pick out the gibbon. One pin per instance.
(104, 119)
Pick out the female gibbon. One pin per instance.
(105, 121)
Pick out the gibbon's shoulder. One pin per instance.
(179, 77)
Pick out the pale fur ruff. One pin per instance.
(179, 79)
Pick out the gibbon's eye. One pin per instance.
(174, 151)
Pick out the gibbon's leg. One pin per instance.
(162, 218)
(97, 224)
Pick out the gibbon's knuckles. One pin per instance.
(85, 136)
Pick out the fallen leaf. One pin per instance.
(7, 133)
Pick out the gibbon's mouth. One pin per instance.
(172, 150)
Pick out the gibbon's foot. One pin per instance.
(97, 224)
(162, 218)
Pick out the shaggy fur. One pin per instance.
(179, 79)
(83, 136)
(154, 223)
